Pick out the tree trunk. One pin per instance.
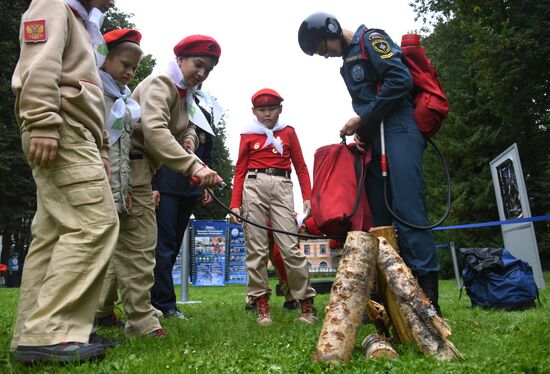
(348, 299)
(428, 329)
(401, 333)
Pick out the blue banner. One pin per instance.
(208, 241)
(237, 255)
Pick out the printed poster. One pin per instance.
(237, 255)
(209, 251)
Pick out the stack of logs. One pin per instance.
(407, 314)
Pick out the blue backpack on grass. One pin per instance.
(495, 279)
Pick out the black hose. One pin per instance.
(304, 236)
(448, 210)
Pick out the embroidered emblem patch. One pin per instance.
(357, 73)
(381, 46)
(256, 146)
(35, 31)
(376, 35)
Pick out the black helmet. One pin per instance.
(315, 29)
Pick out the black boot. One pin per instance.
(429, 283)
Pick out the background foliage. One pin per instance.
(492, 57)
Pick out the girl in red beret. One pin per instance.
(263, 190)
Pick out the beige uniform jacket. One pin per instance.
(164, 124)
(56, 80)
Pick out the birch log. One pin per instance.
(401, 332)
(428, 329)
(348, 298)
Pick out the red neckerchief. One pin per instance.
(182, 92)
(75, 11)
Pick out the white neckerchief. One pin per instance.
(115, 119)
(93, 21)
(195, 114)
(256, 127)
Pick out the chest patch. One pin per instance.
(35, 31)
(357, 72)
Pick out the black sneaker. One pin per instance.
(107, 343)
(174, 313)
(109, 321)
(59, 353)
(291, 304)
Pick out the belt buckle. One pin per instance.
(270, 171)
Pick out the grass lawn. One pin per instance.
(221, 337)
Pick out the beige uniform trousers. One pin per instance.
(267, 196)
(109, 293)
(74, 233)
(134, 257)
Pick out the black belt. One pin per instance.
(136, 156)
(272, 171)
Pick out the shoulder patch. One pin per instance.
(35, 31)
(352, 58)
(376, 35)
(381, 46)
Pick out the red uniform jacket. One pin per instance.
(252, 155)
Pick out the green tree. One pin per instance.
(222, 164)
(17, 190)
(492, 60)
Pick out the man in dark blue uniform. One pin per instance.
(380, 84)
(174, 198)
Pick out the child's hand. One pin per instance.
(156, 198)
(43, 151)
(235, 219)
(189, 145)
(206, 198)
(107, 167)
(207, 177)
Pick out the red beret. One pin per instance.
(266, 97)
(115, 37)
(198, 45)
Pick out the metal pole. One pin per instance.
(455, 265)
(185, 254)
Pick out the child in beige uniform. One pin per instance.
(157, 138)
(126, 265)
(61, 112)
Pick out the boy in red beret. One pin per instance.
(61, 113)
(163, 135)
(262, 190)
(131, 198)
